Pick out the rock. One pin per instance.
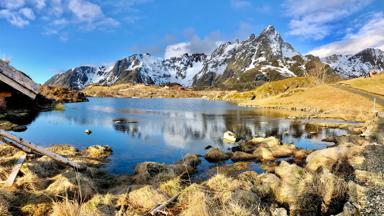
(284, 150)
(229, 136)
(280, 212)
(269, 141)
(208, 147)
(325, 158)
(98, 151)
(152, 172)
(242, 156)
(248, 147)
(301, 154)
(263, 154)
(88, 132)
(19, 128)
(216, 155)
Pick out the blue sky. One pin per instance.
(44, 37)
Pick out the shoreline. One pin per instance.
(155, 182)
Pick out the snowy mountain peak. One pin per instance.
(357, 65)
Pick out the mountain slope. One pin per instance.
(267, 53)
(138, 68)
(360, 64)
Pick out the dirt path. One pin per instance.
(370, 96)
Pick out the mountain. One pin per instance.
(360, 64)
(232, 65)
(267, 53)
(138, 68)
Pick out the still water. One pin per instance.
(162, 130)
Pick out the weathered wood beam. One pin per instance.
(15, 171)
(16, 145)
(42, 151)
(18, 86)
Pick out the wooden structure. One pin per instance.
(17, 80)
(29, 148)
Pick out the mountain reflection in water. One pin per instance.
(163, 130)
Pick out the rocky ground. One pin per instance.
(345, 179)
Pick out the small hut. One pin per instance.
(17, 90)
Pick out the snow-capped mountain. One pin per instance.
(138, 68)
(360, 64)
(266, 52)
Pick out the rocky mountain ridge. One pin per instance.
(232, 65)
(360, 64)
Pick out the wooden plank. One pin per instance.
(42, 151)
(162, 206)
(16, 145)
(17, 86)
(15, 171)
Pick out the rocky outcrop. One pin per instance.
(62, 95)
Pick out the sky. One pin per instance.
(45, 37)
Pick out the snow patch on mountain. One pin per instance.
(357, 65)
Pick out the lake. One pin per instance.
(162, 130)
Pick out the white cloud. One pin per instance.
(14, 18)
(84, 10)
(27, 13)
(40, 4)
(12, 4)
(58, 15)
(240, 4)
(193, 44)
(176, 50)
(317, 18)
(370, 35)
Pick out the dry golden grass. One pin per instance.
(322, 101)
(273, 88)
(373, 84)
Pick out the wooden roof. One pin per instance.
(18, 80)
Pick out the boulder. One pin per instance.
(263, 154)
(229, 136)
(242, 156)
(284, 150)
(216, 155)
(269, 141)
(325, 158)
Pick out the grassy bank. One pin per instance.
(373, 84)
(300, 97)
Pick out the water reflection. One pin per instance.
(163, 130)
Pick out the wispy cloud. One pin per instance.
(193, 44)
(61, 15)
(371, 34)
(240, 4)
(317, 19)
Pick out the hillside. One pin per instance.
(373, 84)
(301, 97)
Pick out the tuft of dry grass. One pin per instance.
(171, 187)
(66, 208)
(195, 201)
